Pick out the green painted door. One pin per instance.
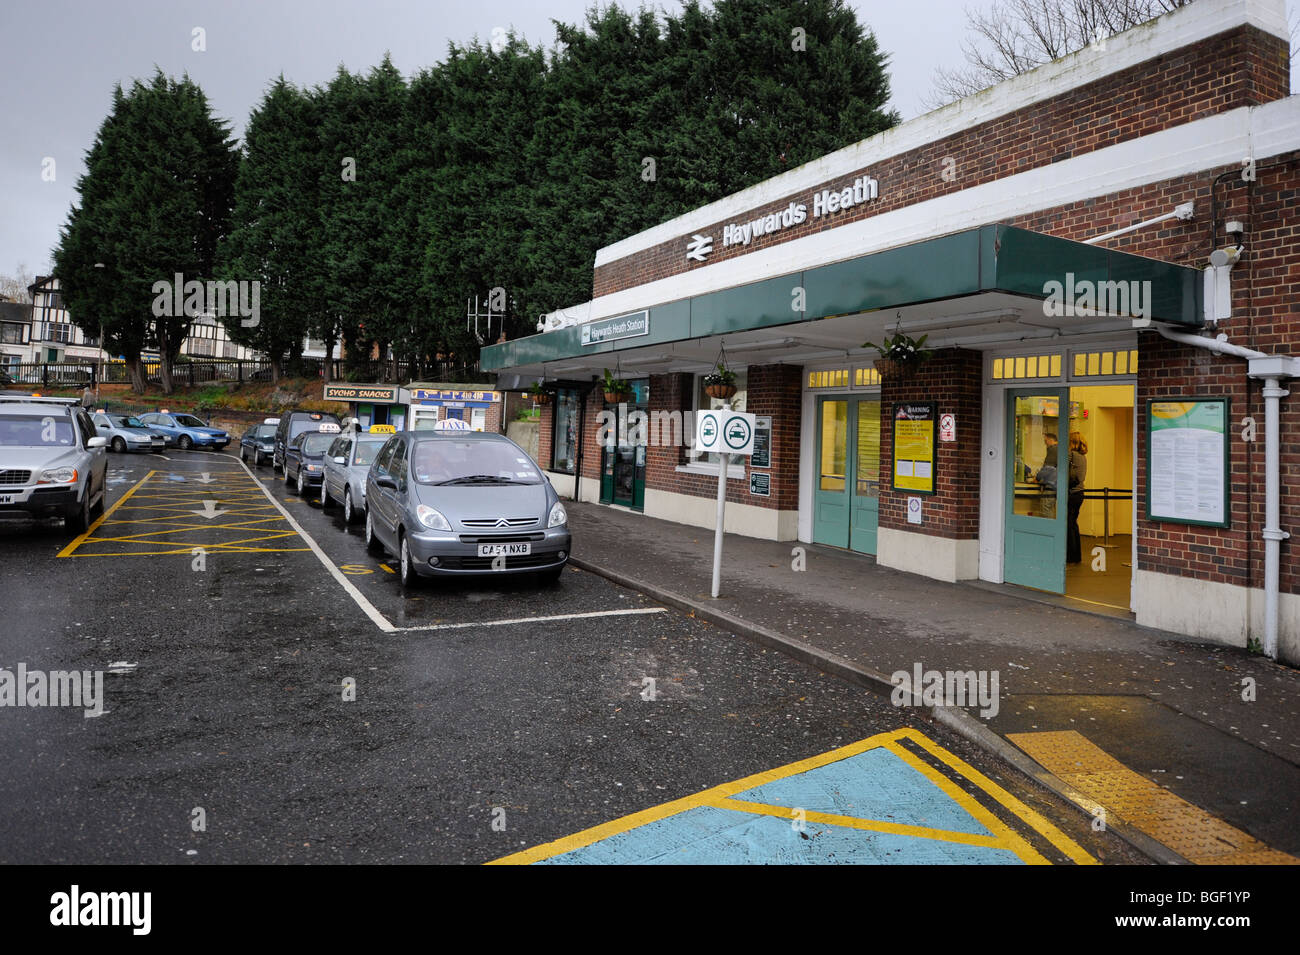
(846, 503)
(1037, 460)
(864, 420)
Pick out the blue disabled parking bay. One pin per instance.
(897, 797)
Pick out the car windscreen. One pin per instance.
(188, 421)
(265, 431)
(448, 461)
(126, 421)
(367, 450)
(315, 444)
(35, 431)
(298, 426)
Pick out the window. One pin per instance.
(836, 378)
(1091, 364)
(61, 333)
(11, 334)
(564, 440)
(696, 459)
(1027, 367)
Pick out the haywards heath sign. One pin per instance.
(824, 202)
(612, 329)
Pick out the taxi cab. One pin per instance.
(346, 465)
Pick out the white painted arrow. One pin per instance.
(209, 510)
(204, 478)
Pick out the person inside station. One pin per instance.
(1078, 472)
(1046, 477)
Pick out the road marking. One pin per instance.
(550, 619)
(387, 568)
(1188, 830)
(80, 539)
(366, 606)
(707, 818)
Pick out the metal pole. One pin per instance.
(722, 503)
(1105, 516)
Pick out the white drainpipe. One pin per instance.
(1272, 369)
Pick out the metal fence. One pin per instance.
(217, 371)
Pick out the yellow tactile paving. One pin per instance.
(161, 516)
(1172, 821)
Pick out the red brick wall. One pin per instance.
(1243, 67)
(953, 379)
(770, 390)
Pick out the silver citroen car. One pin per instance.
(457, 503)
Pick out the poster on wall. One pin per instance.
(1187, 461)
(762, 442)
(914, 447)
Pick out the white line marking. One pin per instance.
(367, 607)
(562, 616)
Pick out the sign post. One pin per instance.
(723, 432)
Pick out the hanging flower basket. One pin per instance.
(617, 397)
(542, 397)
(891, 369)
(721, 392)
(617, 390)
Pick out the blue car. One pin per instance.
(185, 431)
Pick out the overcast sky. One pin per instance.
(62, 57)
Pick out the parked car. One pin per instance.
(449, 504)
(52, 463)
(346, 465)
(258, 442)
(185, 431)
(304, 460)
(127, 433)
(294, 423)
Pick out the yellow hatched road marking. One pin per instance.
(1055, 836)
(1193, 833)
(80, 539)
(721, 797)
(868, 825)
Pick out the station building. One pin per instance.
(1103, 252)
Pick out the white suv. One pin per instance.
(52, 464)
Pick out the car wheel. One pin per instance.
(406, 573)
(285, 472)
(348, 514)
(325, 500)
(243, 455)
(372, 542)
(302, 484)
(79, 522)
(185, 443)
(119, 446)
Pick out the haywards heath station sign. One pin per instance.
(612, 329)
(824, 202)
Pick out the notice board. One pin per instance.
(1187, 461)
(914, 465)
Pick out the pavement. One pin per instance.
(1188, 751)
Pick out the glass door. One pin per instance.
(865, 499)
(846, 498)
(831, 492)
(1037, 487)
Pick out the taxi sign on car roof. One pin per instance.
(329, 427)
(451, 424)
(383, 429)
(270, 421)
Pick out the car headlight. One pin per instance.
(59, 476)
(313, 467)
(431, 518)
(558, 516)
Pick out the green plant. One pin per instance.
(536, 389)
(723, 376)
(615, 386)
(900, 347)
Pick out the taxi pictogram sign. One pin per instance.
(725, 432)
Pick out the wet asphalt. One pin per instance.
(226, 737)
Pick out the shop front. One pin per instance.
(370, 404)
(1075, 304)
(430, 403)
